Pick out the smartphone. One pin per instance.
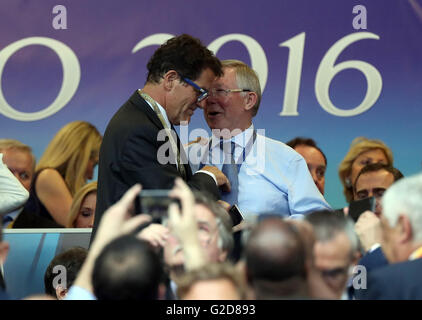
(356, 208)
(155, 203)
(236, 215)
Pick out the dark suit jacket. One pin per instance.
(128, 155)
(373, 260)
(30, 220)
(398, 281)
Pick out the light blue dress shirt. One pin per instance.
(273, 179)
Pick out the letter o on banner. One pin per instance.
(71, 77)
(256, 53)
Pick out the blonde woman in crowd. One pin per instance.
(64, 168)
(82, 211)
(363, 151)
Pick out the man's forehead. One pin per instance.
(380, 178)
(204, 215)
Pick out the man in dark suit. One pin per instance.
(401, 243)
(140, 144)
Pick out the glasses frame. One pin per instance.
(203, 93)
(227, 91)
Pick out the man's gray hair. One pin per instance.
(328, 224)
(6, 144)
(246, 78)
(225, 239)
(404, 197)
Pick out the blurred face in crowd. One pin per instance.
(85, 218)
(216, 289)
(333, 260)
(182, 101)
(373, 184)
(20, 163)
(228, 110)
(208, 237)
(365, 158)
(316, 164)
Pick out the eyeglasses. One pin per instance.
(203, 93)
(225, 92)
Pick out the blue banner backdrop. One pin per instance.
(325, 75)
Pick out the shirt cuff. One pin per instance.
(208, 173)
(374, 247)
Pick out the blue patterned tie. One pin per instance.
(230, 169)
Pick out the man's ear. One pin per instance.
(169, 79)
(251, 99)
(405, 229)
(61, 293)
(4, 250)
(222, 256)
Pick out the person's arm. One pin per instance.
(12, 192)
(185, 226)
(303, 195)
(53, 193)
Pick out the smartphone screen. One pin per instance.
(356, 208)
(155, 203)
(235, 215)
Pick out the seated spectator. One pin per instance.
(12, 193)
(314, 157)
(276, 261)
(214, 231)
(66, 165)
(362, 152)
(215, 281)
(82, 211)
(127, 269)
(335, 249)
(402, 244)
(19, 159)
(373, 180)
(72, 260)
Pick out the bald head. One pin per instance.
(275, 251)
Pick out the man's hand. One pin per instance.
(222, 180)
(368, 229)
(156, 234)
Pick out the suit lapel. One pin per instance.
(140, 103)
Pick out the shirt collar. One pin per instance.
(162, 110)
(240, 139)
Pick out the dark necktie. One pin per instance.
(230, 169)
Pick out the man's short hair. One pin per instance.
(184, 54)
(246, 78)
(211, 271)
(301, 141)
(327, 225)
(275, 251)
(224, 223)
(6, 144)
(72, 260)
(374, 167)
(128, 268)
(405, 197)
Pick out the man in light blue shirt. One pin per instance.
(266, 176)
